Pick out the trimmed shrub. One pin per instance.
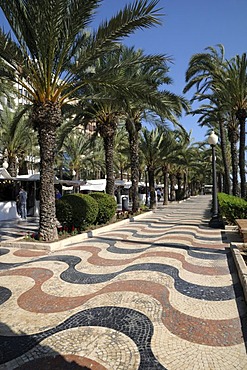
(63, 212)
(84, 209)
(107, 207)
(232, 207)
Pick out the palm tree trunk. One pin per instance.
(12, 169)
(242, 118)
(151, 187)
(185, 192)
(227, 183)
(46, 117)
(109, 150)
(234, 157)
(179, 190)
(134, 160)
(173, 182)
(166, 184)
(133, 128)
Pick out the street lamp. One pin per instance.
(215, 221)
(146, 186)
(5, 164)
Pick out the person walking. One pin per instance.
(58, 195)
(23, 203)
(158, 194)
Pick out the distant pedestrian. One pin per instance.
(23, 203)
(158, 194)
(18, 205)
(58, 194)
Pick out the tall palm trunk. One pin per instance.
(241, 115)
(233, 138)
(23, 169)
(134, 160)
(46, 117)
(186, 185)
(109, 150)
(166, 184)
(227, 183)
(173, 183)
(151, 187)
(12, 169)
(179, 182)
(107, 130)
(133, 131)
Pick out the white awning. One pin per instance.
(33, 177)
(94, 185)
(127, 185)
(67, 188)
(4, 174)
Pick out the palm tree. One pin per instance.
(233, 136)
(52, 59)
(214, 116)
(121, 153)
(168, 154)
(15, 137)
(106, 115)
(200, 170)
(109, 109)
(206, 71)
(150, 144)
(78, 152)
(235, 88)
(153, 100)
(184, 160)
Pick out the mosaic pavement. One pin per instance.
(158, 293)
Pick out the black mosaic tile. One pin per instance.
(71, 275)
(132, 323)
(5, 294)
(208, 256)
(4, 251)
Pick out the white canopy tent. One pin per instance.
(94, 185)
(4, 174)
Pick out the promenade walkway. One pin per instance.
(161, 292)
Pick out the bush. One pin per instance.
(232, 207)
(63, 212)
(84, 209)
(107, 207)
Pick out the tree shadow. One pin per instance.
(40, 357)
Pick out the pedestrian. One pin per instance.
(58, 194)
(158, 194)
(23, 203)
(18, 205)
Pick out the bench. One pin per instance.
(242, 226)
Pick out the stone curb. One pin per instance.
(55, 246)
(240, 265)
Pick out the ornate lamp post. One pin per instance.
(5, 164)
(215, 221)
(146, 186)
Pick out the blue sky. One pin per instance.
(188, 27)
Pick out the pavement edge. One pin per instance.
(240, 265)
(58, 245)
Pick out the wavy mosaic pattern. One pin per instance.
(159, 293)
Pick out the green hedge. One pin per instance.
(107, 207)
(84, 209)
(232, 207)
(63, 212)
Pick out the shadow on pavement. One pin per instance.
(48, 359)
